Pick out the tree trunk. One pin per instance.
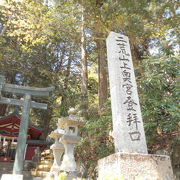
(46, 117)
(84, 72)
(102, 72)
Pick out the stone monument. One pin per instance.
(131, 160)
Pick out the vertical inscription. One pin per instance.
(127, 85)
(128, 130)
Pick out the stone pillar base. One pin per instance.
(12, 177)
(135, 167)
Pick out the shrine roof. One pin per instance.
(15, 113)
(11, 122)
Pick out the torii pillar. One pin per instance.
(27, 103)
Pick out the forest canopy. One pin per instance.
(61, 43)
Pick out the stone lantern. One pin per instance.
(70, 138)
(57, 148)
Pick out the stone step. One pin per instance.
(49, 162)
(38, 173)
(48, 158)
(46, 152)
(38, 178)
(43, 169)
(44, 166)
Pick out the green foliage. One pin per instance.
(160, 98)
(62, 176)
(41, 45)
(96, 142)
(158, 90)
(36, 48)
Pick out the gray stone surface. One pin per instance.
(11, 177)
(58, 150)
(68, 163)
(73, 175)
(131, 161)
(69, 140)
(22, 137)
(72, 120)
(128, 131)
(135, 167)
(7, 167)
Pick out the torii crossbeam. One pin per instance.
(27, 103)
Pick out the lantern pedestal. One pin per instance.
(69, 163)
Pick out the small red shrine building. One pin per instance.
(9, 131)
